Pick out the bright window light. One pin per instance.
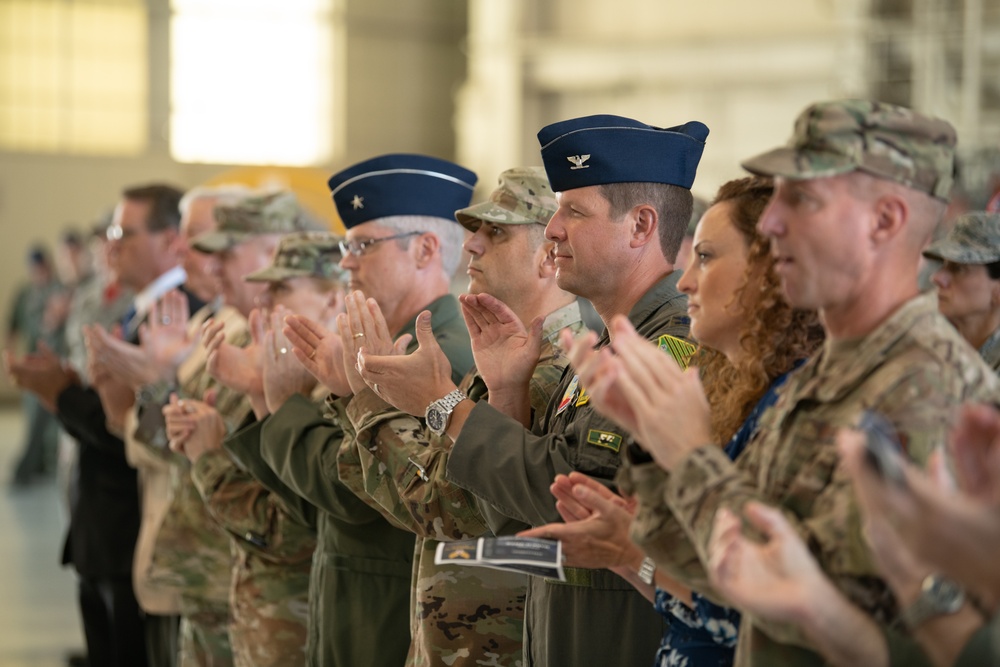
(73, 76)
(251, 81)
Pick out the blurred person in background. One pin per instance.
(28, 328)
(968, 281)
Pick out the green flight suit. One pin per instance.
(595, 617)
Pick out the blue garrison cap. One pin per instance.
(401, 184)
(596, 150)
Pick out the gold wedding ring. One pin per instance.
(312, 355)
(359, 335)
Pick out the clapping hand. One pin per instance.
(240, 369)
(283, 375)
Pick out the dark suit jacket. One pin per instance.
(104, 494)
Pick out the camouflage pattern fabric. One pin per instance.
(523, 197)
(273, 556)
(205, 637)
(303, 255)
(973, 239)
(990, 351)
(361, 578)
(275, 213)
(884, 140)
(461, 615)
(192, 552)
(914, 369)
(510, 469)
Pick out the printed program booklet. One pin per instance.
(528, 555)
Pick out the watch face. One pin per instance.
(435, 420)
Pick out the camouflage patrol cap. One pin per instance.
(303, 255)
(975, 239)
(523, 198)
(275, 213)
(883, 140)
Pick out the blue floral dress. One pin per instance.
(704, 635)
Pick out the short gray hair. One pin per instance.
(450, 234)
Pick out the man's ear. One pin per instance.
(546, 255)
(645, 225)
(426, 246)
(995, 294)
(891, 214)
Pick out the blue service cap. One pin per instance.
(596, 150)
(401, 184)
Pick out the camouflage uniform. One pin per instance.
(462, 615)
(990, 351)
(363, 565)
(274, 546)
(974, 239)
(511, 469)
(914, 369)
(191, 551)
(273, 541)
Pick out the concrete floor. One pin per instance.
(39, 623)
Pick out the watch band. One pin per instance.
(939, 596)
(450, 400)
(647, 571)
(438, 413)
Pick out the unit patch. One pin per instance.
(612, 441)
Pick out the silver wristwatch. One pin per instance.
(938, 596)
(438, 413)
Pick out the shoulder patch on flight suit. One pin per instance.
(612, 441)
(678, 348)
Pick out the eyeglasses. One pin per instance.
(358, 248)
(119, 233)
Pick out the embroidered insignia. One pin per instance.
(358, 202)
(578, 161)
(612, 441)
(457, 551)
(569, 395)
(584, 398)
(679, 349)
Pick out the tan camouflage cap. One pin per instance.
(276, 213)
(975, 239)
(303, 255)
(523, 198)
(880, 139)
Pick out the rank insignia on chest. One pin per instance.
(612, 441)
(583, 399)
(678, 348)
(569, 395)
(457, 552)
